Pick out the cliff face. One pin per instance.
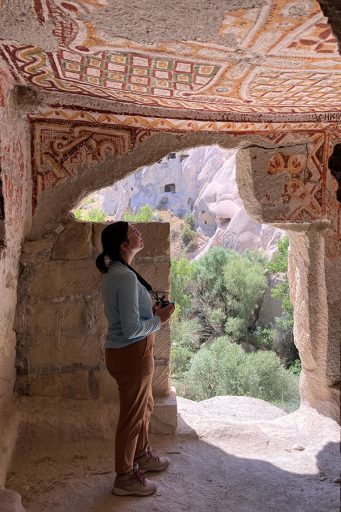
(201, 181)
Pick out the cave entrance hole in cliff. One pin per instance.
(237, 311)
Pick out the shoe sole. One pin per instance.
(153, 469)
(121, 492)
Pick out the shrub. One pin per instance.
(229, 285)
(192, 246)
(215, 317)
(283, 339)
(283, 336)
(262, 337)
(223, 368)
(188, 235)
(180, 360)
(264, 377)
(143, 214)
(279, 260)
(189, 220)
(296, 367)
(91, 215)
(185, 332)
(185, 336)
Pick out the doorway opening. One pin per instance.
(232, 332)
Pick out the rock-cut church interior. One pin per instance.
(90, 91)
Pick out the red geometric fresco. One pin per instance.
(284, 61)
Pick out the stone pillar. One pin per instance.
(15, 192)
(291, 187)
(315, 284)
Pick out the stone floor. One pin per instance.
(230, 454)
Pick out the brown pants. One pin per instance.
(132, 367)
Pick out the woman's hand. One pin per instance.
(163, 313)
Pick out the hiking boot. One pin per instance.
(133, 483)
(150, 461)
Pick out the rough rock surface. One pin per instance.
(10, 501)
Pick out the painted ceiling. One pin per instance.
(275, 57)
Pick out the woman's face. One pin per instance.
(134, 239)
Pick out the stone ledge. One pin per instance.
(164, 418)
(10, 501)
(70, 420)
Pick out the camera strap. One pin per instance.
(142, 281)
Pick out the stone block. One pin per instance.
(79, 384)
(8, 341)
(55, 279)
(9, 421)
(69, 318)
(74, 242)
(162, 344)
(164, 417)
(162, 381)
(35, 251)
(156, 237)
(10, 501)
(155, 272)
(57, 350)
(97, 228)
(46, 318)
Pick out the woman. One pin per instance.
(129, 356)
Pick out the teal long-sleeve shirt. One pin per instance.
(127, 307)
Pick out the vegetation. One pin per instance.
(188, 234)
(90, 215)
(283, 337)
(223, 368)
(227, 289)
(144, 214)
(218, 298)
(182, 276)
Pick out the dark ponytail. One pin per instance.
(112, 237)
(101, 264)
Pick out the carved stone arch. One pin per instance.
(282, 179)
(59, 171)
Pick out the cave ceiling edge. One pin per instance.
(38, 104)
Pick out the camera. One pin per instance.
(164, 302)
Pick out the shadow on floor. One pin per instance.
(202, 477)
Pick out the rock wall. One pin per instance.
(315, 251)
(15, 194)
(60, 320)
(315, 281)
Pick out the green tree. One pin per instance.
(245, 282)
(228, 289)
(185, 336)
(144, 214)
(279, 260)
(283, 336)
(182, 274)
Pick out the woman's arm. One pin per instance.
(128, 304)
